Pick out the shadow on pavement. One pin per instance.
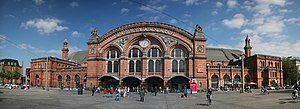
(203, 104)
(288, 100)
(1, 99)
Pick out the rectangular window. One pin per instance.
(178, 52)
(113, 54)
(135, 52)
(154, 52)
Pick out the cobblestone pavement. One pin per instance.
(41, 99)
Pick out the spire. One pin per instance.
(65, 50)
(247, 47)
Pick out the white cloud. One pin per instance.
(38, 2)
(43, 26)
(2, 41)
(219, 4)
(232, 3)
(194, 2)
(271, 25)
(263, 7)
(153, 9)
(214, 12)
(248, 31)
(237, 21)
(124, 10)
(74, 49)
(187, 15)
(75, 34)
(284, 11)
(173, 21)
(292, 20)
(74, 4)
(25, 46)
(154, 1)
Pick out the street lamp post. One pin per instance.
(243, 78)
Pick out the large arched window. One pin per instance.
(68, 79)
(178, 60)
(134, 58)
(154, 60)
(113, 61)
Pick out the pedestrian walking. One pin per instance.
(93, 90)
(142, 95)
(155, 91)
(209, 96)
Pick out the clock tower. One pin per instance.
(65, 50)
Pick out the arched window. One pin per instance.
(68, 80)
(157, 66)
(116, 66)
(178, 60)
(138, 66)
(154, 60)
(134, 58)
(131, 66)
(109, 66)
(151, 66)
(174, 66)
(181, 66)
(113, 57)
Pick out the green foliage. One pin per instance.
(290, 72)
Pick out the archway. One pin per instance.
(131, 82)
(214, 82)
(178, 83)
(68, 79)
(109, 82)
(227, 82)
(237, 81)
(37, 80)
(59, 78)
(154, 82)
(84, 82)
(77, 81)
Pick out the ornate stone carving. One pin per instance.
(122, 41)
(167, 40)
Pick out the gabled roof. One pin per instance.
(79, 56)
(221, 54)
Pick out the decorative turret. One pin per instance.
(94, 36)
(199, 33)
(65, 50)
(247, 47)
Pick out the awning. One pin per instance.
(252, 83)
(237, 82)
(227, 82)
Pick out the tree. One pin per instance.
(15, 75)
(2, 75)
(290, 72)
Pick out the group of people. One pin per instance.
(295, 93)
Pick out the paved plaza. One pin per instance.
(36, 98)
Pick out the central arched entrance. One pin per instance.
(237, 82)
(109, 82)
(154, 82)
(215, 82)
(178, 83)
(131, 82)
(227, 83)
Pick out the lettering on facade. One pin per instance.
(145, 29)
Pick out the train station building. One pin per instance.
(154, 54)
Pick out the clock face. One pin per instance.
(92, 51)
(144, 43)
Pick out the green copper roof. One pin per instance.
(221, 54)
(79, 56)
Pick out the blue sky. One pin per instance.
(36, 28)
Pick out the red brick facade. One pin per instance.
(152, 54)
